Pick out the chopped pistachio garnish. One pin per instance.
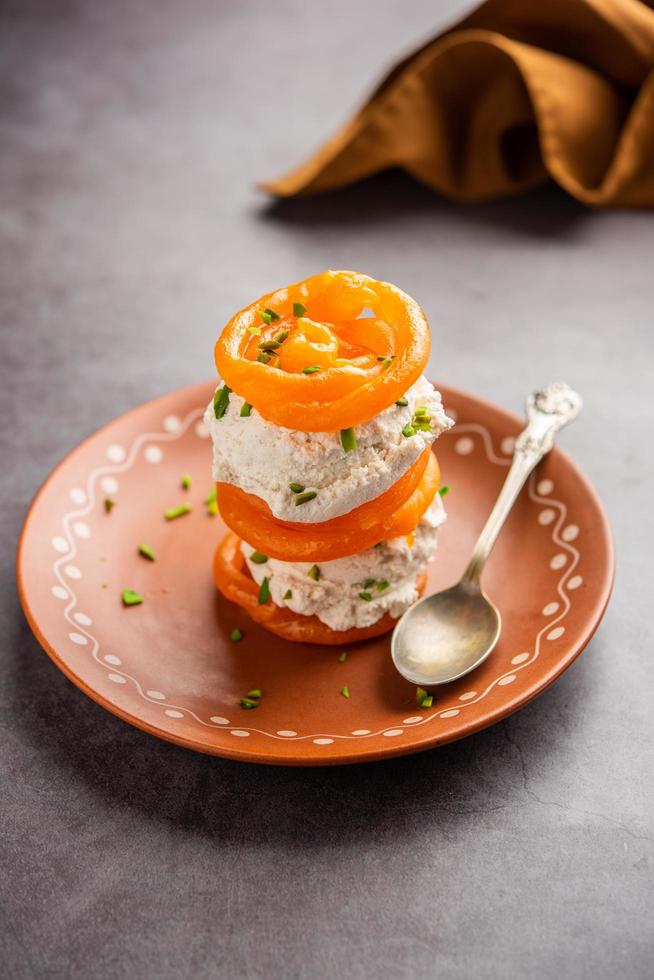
(109, 504)
(299, 309)
(296, 487)
(288, 594)
(408, 430)
(246, 408)
(221, 401)
(147, 552)
(365, 596)
(423, 698)
(385, 360)
(368, 582)
(236, 635)
(269, 345)
(269, 315)
(257, 693)
(254, 331)
(264, 357)
(345, 691)
(264, 592)
(281, 336)
(443, 491)
(212, 508)
(402, 402)
(382, 586)
(248, 703)
(186, 482)
(311, 369)
(342, 657)
(211, 499)
(348, 440)
(420, 410)
(131, 598)
(173, 512)
(304, 498)
(314, 573)
(258, 558)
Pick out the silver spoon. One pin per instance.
(444, 636)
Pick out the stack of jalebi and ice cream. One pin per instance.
(322, 429)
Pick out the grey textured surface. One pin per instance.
(131, 135)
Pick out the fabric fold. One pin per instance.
(516, 93)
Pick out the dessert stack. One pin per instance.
(322, 428)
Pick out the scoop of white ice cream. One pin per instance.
(262, 458)
(335, 598)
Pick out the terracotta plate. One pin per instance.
(168, 665)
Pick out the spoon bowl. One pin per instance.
(447, 635)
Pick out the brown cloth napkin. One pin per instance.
(517, 91)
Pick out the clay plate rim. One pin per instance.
(592, 620)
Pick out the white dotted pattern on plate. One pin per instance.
(554, 512)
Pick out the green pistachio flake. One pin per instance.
(423, 698)
(288, 594)
(345, 691)
(221, 401)
(299, 309)
(109, 504)
(211, 499)
(444, 490)
(342, 657)
(408, 430)
(236, 635)
(246, 408)
(186, 482)
(269, 315)
(296, 487)
(420, 410)
(264, 592)
(368, 582)
(402, 402)
(304, 498)
(147, 552)
(264, 357)
(311, 369)
(348, 440)
(382, 586)
(257, 693)
(131, 598)
(269, 345)
(281, 336)
(385, 360)
(314, 573)
(174, 512)
(255, 331)
(258, 558)
(248, 703)
(212, 508)
(365, 596)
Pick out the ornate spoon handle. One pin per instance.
(548, 410)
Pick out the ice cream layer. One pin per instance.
(386, 573)
(262, 458)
